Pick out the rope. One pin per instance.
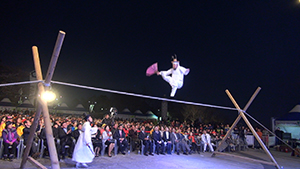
(270, 131)
(143, 96)
(19, 83)
(124, 93)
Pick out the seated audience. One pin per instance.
(34, 146)
(205, 137)
(175, 140)
(193, 143)
(107, 138)
(167, 140)
(144, 136)
(158, 141)
(183, 143)
(97, 142)
(119, 135)
(2, 125)
(10, 138)
(65, 137)
(134, 142)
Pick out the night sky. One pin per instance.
(235, 45)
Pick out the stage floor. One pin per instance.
(203, 160)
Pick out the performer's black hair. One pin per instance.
(174, 57)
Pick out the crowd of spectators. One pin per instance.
(141, 136)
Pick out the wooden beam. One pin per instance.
(237, 120)
(43, 106)
(48, 127)
(252, 129)
(39, 108)
(54, 58)
(36, 163)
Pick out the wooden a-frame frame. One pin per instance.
(43, 107)
(242, 115)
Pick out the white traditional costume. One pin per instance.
(205, 137)
(174, 76)
(84, 151)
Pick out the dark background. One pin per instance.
(235, 45)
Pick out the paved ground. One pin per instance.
(202, 161)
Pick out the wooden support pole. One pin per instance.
(39, 108)
(237, 119)
(54, 58)
(49, 133)
(228, 133)
(48, 127)
(36, 163)
(43, 104)
(252, 129)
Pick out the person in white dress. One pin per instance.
(84, 151)
(174, 76)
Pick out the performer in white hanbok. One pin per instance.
(174, 76)
(84, 151)
(205, 137)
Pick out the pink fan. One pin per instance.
(152, 69)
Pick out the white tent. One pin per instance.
(150, 115)
(79, 110)
(290, 122)
(61, 109)
(26, 105)
(6, 104)
(125, 114)
(139, 115)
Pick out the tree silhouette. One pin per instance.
(9, 74)
(204, 114)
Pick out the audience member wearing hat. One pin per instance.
(2, 126)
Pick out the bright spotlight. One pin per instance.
(48, 96)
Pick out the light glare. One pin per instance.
(48, 96)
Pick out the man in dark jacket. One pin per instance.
(26, 132)
(65, 137)
(167, 139)
(55, 130)
(119, 135)
(134, 137)
(107, 121)
(160, 146)
(144, 137)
